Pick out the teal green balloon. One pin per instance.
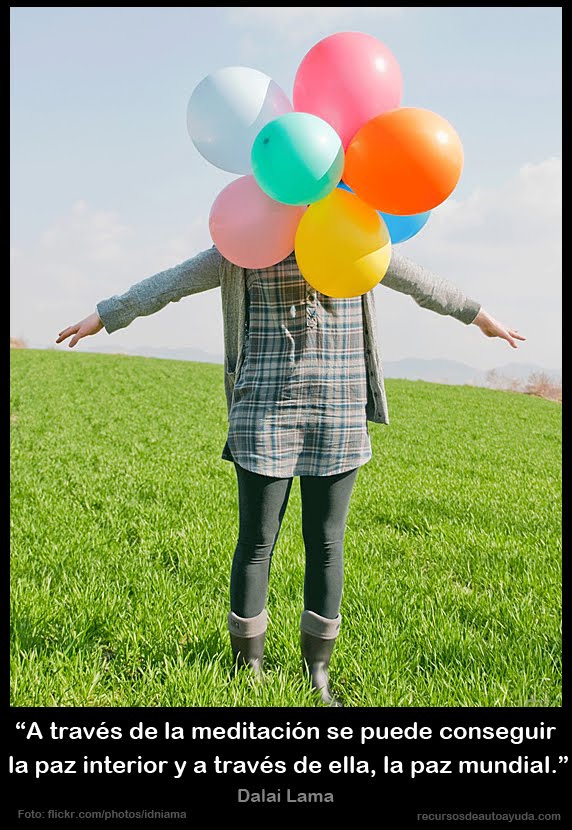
(297, 158)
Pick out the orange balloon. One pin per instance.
(404, 161)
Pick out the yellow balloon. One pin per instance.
(342, 245)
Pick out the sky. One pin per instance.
(108, 189)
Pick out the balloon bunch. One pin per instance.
(337, 177)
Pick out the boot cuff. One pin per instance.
(318, 626)
(248, 626)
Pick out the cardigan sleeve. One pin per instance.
(428, 290)
(200, 273)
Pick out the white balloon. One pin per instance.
(226, 112)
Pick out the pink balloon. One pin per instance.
(249, 228)
(347, 79)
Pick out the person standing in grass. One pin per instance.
(303, 376)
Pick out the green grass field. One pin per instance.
(124, 521)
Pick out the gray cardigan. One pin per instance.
(210, 269)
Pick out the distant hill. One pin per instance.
(522, 370)
(183, 353)
(436, 371)
(409, 368)
(455, 372)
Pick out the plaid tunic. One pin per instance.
(299, 402)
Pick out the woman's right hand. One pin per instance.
(90, 325)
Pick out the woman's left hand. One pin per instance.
(492, 328)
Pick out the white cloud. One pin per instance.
(87, 255)
(502, 246)
(296, 24)
(101, 231)
(529, 203)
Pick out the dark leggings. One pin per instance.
(262, 504)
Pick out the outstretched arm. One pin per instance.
(439, 295)
(200, 273)
(429, 290)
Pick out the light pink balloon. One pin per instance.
(347, 79)
(249, 228)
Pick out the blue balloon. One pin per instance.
(401, 228)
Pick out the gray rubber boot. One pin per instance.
(247, 635)
(317, 639)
